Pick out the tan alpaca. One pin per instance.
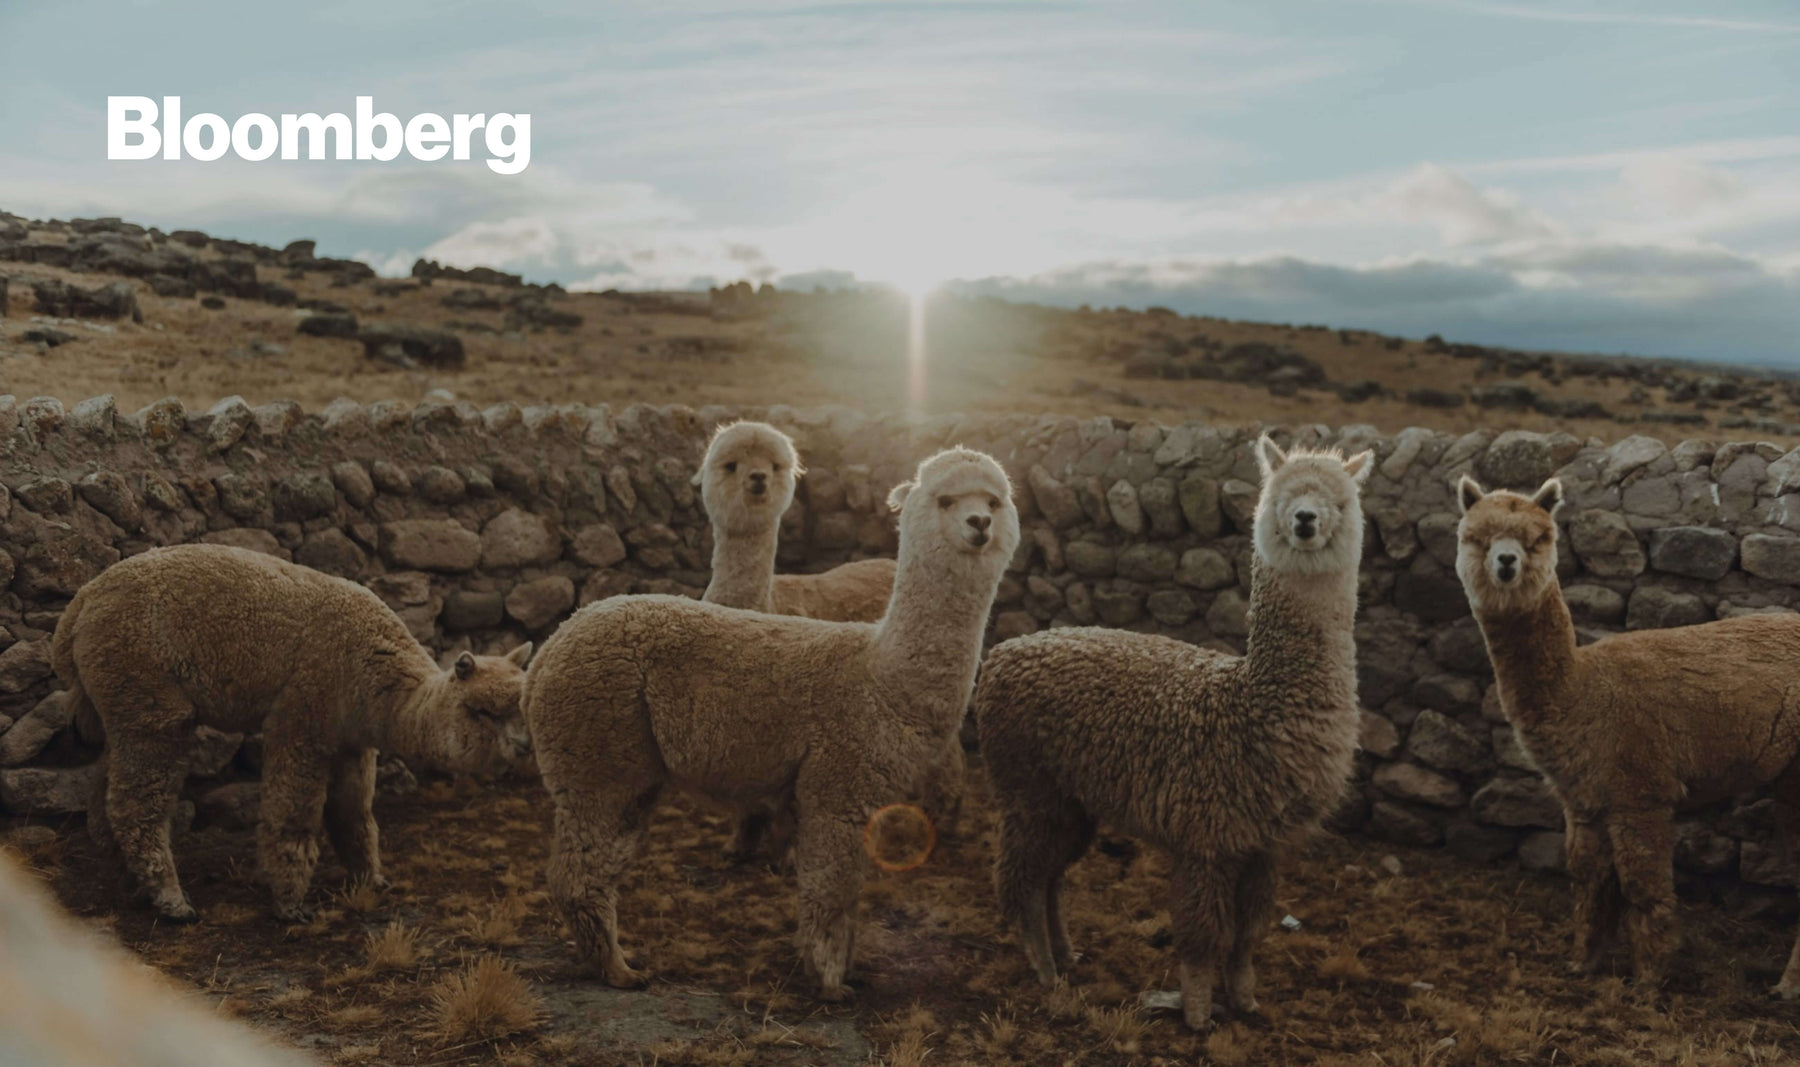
(835, 718)
(747, 483)
(1632, 727)
(1223, 761)
(73, 999)
(207, 635)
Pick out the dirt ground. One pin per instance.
(1442, 964)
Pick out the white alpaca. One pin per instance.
(1223, 761)
(836, 718)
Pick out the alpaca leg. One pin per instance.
(598, 834)
(831, 866)
(747, 831)
(99, 827)
(350, 817)
(1598, 900)
(143, 775)
(1255, 904)
(1644, 855)
(296, 780)
(1202, 910)
(1787, 827)
(1038, 841)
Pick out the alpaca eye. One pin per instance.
(946, 502)
(731, 468)
(993, 503)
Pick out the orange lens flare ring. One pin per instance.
(899, 837)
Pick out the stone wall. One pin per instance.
(486, 527)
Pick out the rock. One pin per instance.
(244, 496)
(59, 562)
(441, 485)
(402, 589)
(1654, 608)
(598, 545)
(352, 479)
(1199, 498)
(1237, 499)
(409, 345)
(1377, 736)
(230, 807)
(1517, 802)
(1055, 500)
(227, 422)
(1403, 826)
(330, 324)
(1437, 741)
(1228, 615)
(1518, 459)
(64, 301)
(1171, 607)
(1459, 647)
(1122, 502)
(468, 610)
(538, 603)
(390, 478)
(111, 495)
(1159, 499)
(248, 538)
(430, 544)
(46, 790)
(1409, 781)
(1147, 563)
(1605, 544)
(1118, 606)
(1204, 568)
(331, 550)
(24, 664)
(1091, 560)
(299, 497)
(1773, 557)
(1476, 843)
(46, 496)
(1432, 596)
(1699, 849)
(213, 751)
(1011, 624)
(32, 733)
(1542, 851)
(1595, 604)
(517, 538)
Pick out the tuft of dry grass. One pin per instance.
(497, 925)
(487, 1000)
(395, 948)
(360, 897)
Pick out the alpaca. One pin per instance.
(1223, 761)
(74, 999)
(196, 635)
(747, 482)
(1630, 728)
(834, 718)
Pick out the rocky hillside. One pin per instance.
(103, 306)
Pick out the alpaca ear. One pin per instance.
(1468, 493)
(464, 666)
(521, 655)
(1549, 496)
(1269, 456)
(897, 495)
(799, 468)
(1359, 466)
(699, 477)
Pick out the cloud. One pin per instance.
(1463, 214)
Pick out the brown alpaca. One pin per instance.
(204, 635)
(1632, 727)
(747, 483)
(74, 999)
(1223, 761)
(836, 719)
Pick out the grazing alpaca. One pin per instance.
(204, 635)
(74, 999)
(835, 718)
(747, 482)
(1631, 727)
(1223, 761)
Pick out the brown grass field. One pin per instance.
(463, 961)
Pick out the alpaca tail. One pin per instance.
(62, 660)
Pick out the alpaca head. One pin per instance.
(1309, 515)
(1506, 544)
(747, 479)
(473, 713)
(958, 509)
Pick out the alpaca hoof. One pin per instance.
(177, 910)
(1245, 1005)
(380, 882)
(623, 977)
(836, 994)
(1786, 989)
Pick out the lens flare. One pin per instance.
(899, 837)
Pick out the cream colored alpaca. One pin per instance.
(835, 718)
(1632, 727)
(73, 999)
(1222, 761)
(206, 635)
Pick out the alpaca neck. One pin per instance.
(929, 642)
(402, 689)
(1302, 637)
(743, 569)
(1533, 650)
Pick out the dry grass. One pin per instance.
(487, 1001)
(395, 948)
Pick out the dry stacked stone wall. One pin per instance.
(486, 527)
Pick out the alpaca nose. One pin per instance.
(981, 522)
(759, 482)
(1507, 564)
(1303, 523)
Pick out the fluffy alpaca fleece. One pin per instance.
(1223, 761)
(207, 635)
(747, 483)
(836, 719)
(1632, 727)
(73, 1000)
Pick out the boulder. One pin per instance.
(518, 538)
(407, 345)
(1409, 781)
(1604, 543)
(1517, 802)
(430, 544)
(540, 602)
(1773, 557)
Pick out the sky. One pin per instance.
(1591, 175)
